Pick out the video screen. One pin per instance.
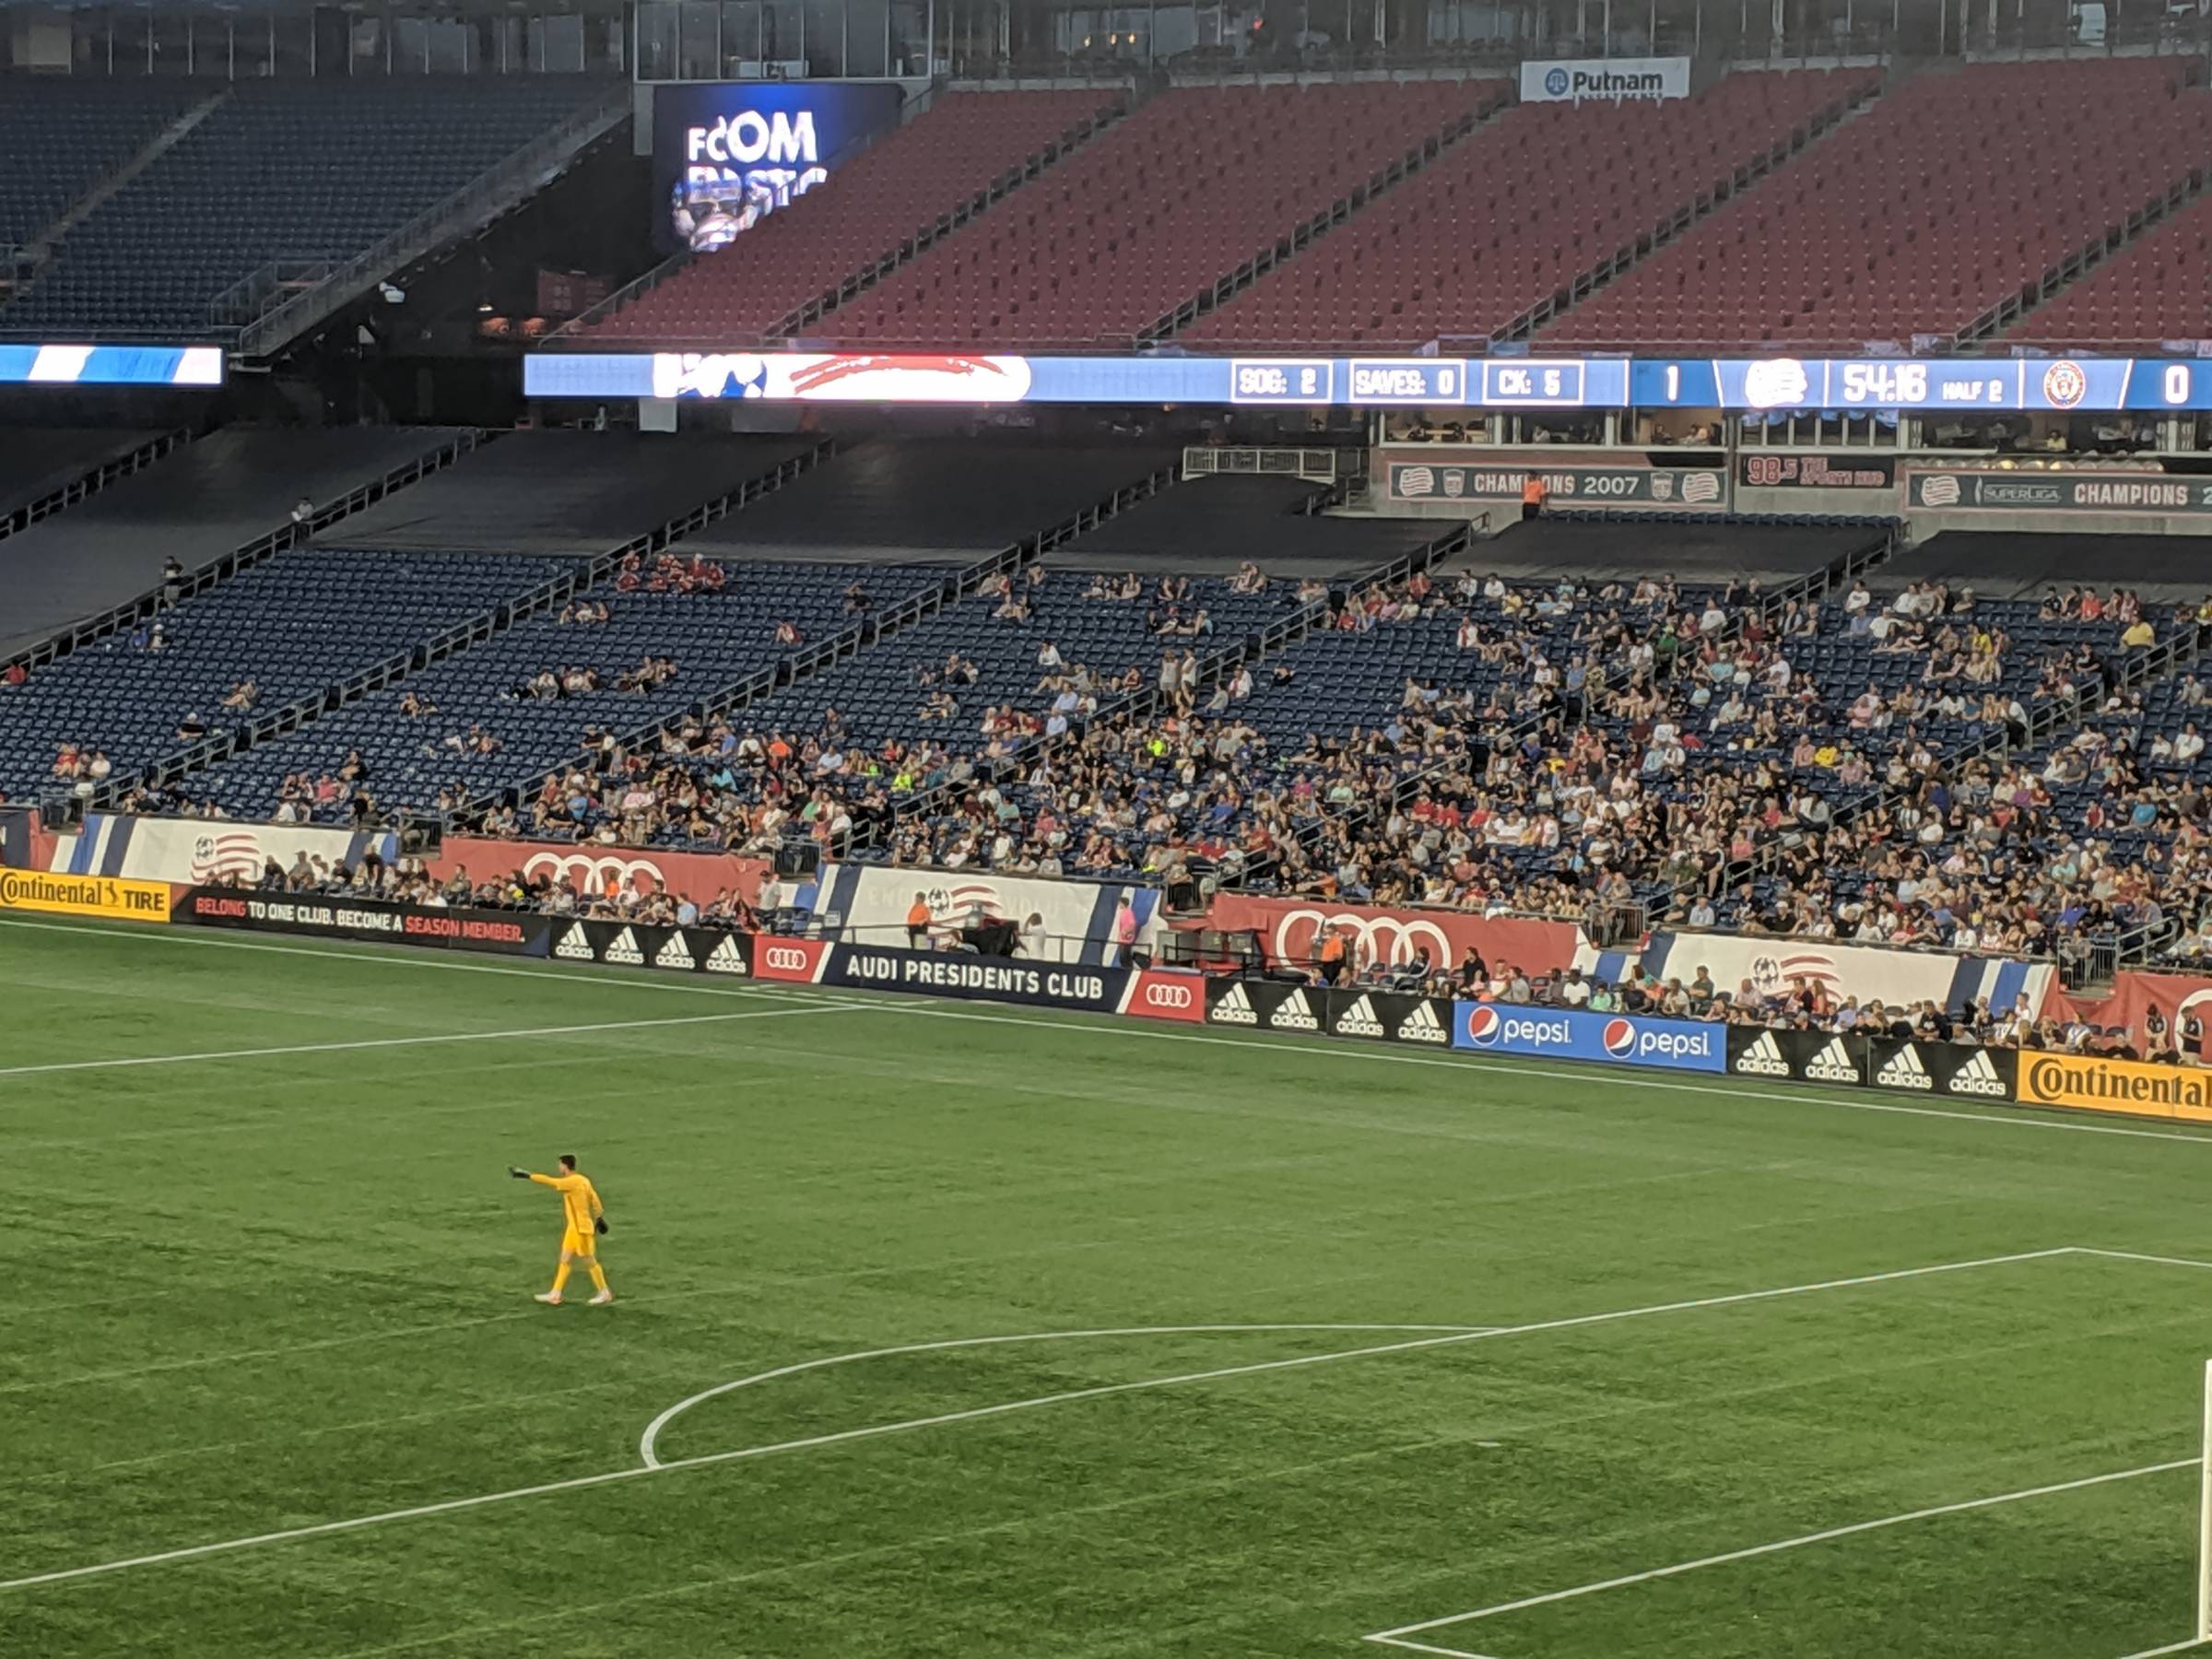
(726, 156)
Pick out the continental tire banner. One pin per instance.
(504, 932)
(2088, 1084)
(1290, 929)
(84, 896)
(1796, 1056)
(1949, 1071)
(195, 852)
(697, 876)
(964, 974)
(1573, 1034)
(712, 950)
(1955, 488)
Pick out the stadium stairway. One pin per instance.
(2137, 286)
(180, 769)
(1336, 213)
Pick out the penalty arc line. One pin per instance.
(877, 1431)
(383, 1042)
(1396, 1637)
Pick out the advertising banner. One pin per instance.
(505, 932)
(1796, 1056)
(1289, 928)
(1571, 80)
(1954, 489)
(18, 830)
(868, 905)
(2179, 997)
(1670, 486)
(1808, 471)
(1389, 1016)
(111, 365)
(2133, 1087)
(793, 962)
(1159, 994)
(1262, 1005)
(193, 851)
(699, 877)
(672, 949)
(726, 154)
(1571, 1034)
(1949, 1071)
(1771, 966)
(963, 974)
(84, 896)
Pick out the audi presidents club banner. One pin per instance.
(1571, 1034)
(961, 973)
(1289, 927)
(509, 932)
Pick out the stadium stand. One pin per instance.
(35, 462)
(1514, 214)
(901, 187)
(1956, 190)
(2158, 287)
(1192, 183)
(568, 491)
(280, 172)
(198, 505)
(62, 137)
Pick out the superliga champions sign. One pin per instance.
(1571, 80)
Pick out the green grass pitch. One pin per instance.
(265, 1292)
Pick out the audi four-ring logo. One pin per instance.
(784, 955)
(1168, 996)
(1391, 940)
(594, 875)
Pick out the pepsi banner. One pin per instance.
(726, 155)
(1573, 1034)
(506, 933)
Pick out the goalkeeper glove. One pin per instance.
(600, 1226)
(518, 1174)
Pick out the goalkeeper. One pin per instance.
(584, 1219)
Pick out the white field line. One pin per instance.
(2138, 1256)
(872, 1432)
(646, 1441)
(2190, 1646)
(386, 1043)
(1111, 1026)
(1394, 1637)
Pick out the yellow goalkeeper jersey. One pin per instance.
(579, 1199)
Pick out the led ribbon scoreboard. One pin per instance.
(1891, 385)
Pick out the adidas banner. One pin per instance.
(1387, 1015)
(672, 949)
(1796, 1056)
(1949, 1071)
(963, 973)
(509, 932)
(1575, 1034)
(1262, 1005)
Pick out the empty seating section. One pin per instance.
(294, 625)
(37, 461)
(1513, 214)
(714, 639)
(196, 504)
(1150, 213)
(281, 171)
(2157, 289)
(897, 186)
(62, 137)
(1950, 195)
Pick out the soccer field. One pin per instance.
(955, 1331)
